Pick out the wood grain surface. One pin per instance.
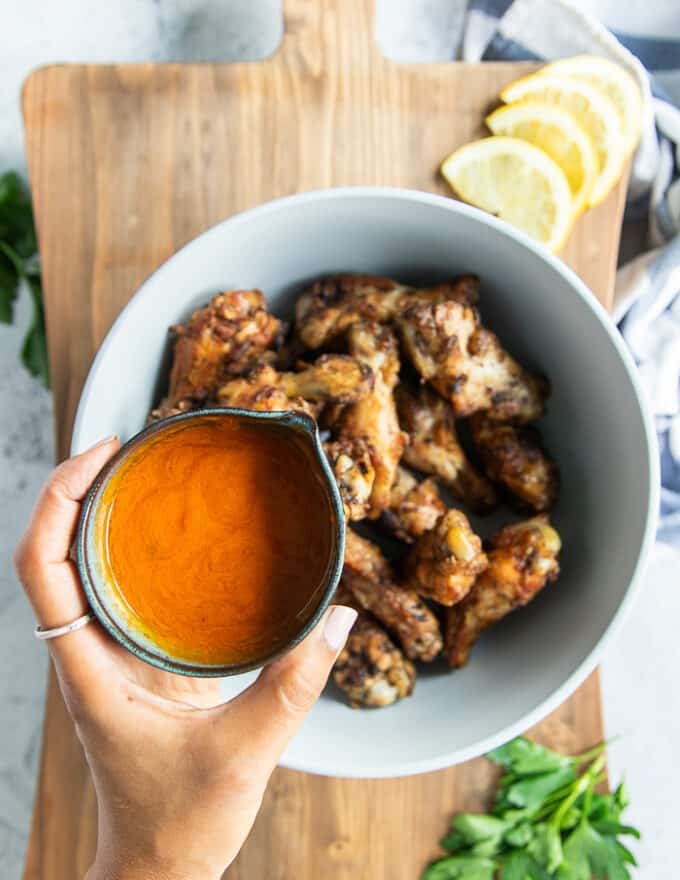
(128, 163)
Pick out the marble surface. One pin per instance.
(640, 670)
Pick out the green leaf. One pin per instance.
(570, 819)
(34, 347)
(16, 215)
(519, 835)
(621, 796)
(523, 756)
(9, 281)
(476, 828)
(460, 868)
(626, 855)
(588, 854)
(533, 790)
(546, 847)
(613, 829)
(521, 866)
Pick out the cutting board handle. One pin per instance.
(326, 34)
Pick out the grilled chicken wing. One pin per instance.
(414, 508)
(369, 577)
(261, 390)
(166, 409)
(445, 561)
(467, 364)
(371, 670)
(331, 305)
(514, 456)
(337, 378)
(523, 559)
(352, 468)
(224, 338)
(372, 421)
(434, 447)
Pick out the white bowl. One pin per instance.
(596, 426)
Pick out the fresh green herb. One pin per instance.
(548, 823)
(19, 263)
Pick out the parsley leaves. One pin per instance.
(548, 823)
(19, 263)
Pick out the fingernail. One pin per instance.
(339, 622)
(102, 442)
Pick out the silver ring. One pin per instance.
(42, 633)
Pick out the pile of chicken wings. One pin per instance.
(395, 376)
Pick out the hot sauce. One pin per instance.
(216, 535)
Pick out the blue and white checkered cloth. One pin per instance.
(647, 307)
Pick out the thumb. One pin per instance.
(271, 710)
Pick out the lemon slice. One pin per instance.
(559, 135)
(593, 110)
(614, 81)
(515, 181)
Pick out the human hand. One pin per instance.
(179, 778)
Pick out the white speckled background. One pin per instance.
(640, 672)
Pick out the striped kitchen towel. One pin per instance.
(647, 306)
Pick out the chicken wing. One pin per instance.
(369, 577)
(337, 378)
(372, 421)
(434, 447)
(445, 561)
(165, 409)
(523, 559)
(224, 338)
(514, 456)
(352, 468)
(331, 305)
(414, 508)
(261, 390)
(371, 670)
(467, 364)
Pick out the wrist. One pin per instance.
(127, 867)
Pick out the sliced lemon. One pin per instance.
(593, 110)
(515, 181)
(557, 133)
(614, 81)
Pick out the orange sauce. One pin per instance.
(216, 535)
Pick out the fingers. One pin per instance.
(52, 526)
(269, 713)
(48, 576)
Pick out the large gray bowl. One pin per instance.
(596, 426)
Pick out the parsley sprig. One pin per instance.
(19, 263)
(548, 823)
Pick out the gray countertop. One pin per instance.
(639, 682)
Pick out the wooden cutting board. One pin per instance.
(128, 163)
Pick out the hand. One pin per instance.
(179, 778)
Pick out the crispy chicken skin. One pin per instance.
(372, 421)
(434, 447)
(467, 364)
(352, 468)
(445, 561)
(224, 338)
(370, 579)
(414, 507)
(165, 409)
(371, 670)
(522, 560)
(261, 390)
(337, 378)
(331, 305)
(514, 456)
